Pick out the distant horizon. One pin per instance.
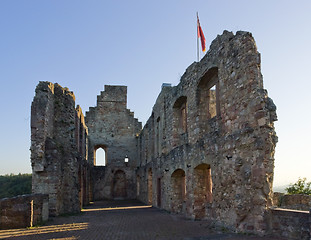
(277, 188)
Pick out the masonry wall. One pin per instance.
(207, 151)
(292, 201)
(291, 224)
(23, 211)
(112, 126)
(58, 148)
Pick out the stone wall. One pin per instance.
(291, 224)
(114, 182)
(207, 151)
(23, 211)
(292, 201)
(58, 149)
(112, 127)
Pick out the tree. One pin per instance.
(13, 185)
(300, 187)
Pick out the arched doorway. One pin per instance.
(119, 185)
(178, 186)
(202, 189)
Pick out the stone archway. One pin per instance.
(178, 186)
(119, 185)
(202, 190)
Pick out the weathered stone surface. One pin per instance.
(23, 211)
(207, 150)
(293, 201)
(58, 148)
(290, 224)
(226, 129)
(112, 126)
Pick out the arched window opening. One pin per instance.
(208, 94)
(202, 183)
(100, 158)
(180, 114)
(178, 186)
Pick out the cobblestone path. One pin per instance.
(128, 220)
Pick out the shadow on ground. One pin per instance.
(123, 219)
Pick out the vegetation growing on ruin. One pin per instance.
(13, 185)
(300, 187)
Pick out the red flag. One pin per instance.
(201, 36)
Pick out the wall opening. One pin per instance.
(119, 185)
(208, 95)
(159, 192)
(202, 190)
(158, 137)
(180, 114)
(150, 186)
(178, 194)
(100, 156)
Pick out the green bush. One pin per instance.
(300, 187)
(13, 185)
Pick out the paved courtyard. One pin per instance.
(128, 220)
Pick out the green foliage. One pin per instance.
(13, 185)
(300, 187)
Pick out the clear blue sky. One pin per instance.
(84, 45)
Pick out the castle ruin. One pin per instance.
(207, 150)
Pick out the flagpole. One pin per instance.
(198, 52)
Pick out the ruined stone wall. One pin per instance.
(113, 127)
(292, 201)
(58, 148)
(23, 211)
(291, 224)
(207, 150)
(85, 167)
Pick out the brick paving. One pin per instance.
(128, 220)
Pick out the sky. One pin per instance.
(84, 45)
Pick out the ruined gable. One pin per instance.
(113, 127)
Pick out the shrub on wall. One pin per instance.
(300, 187)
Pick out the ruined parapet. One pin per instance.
(54, 153)
(112, 127)
(292, 201)
(209, 143)
(24, 211)
(290, 224)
